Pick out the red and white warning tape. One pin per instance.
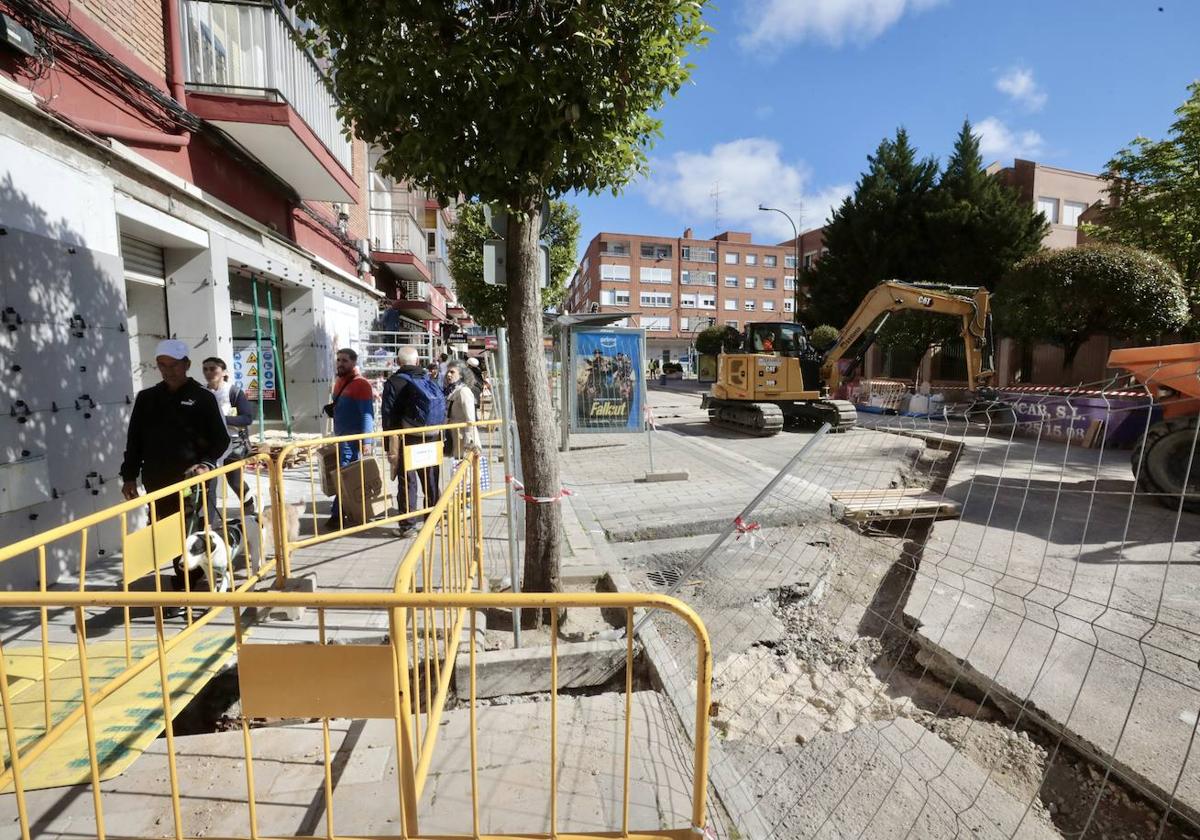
(743, 527)
(519, 489)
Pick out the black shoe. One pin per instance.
(407, 529)
(333, 523)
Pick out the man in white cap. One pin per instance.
(175, 431)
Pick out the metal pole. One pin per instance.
(565, 406)
(262, 422)
(796, 257)
(646, 404)
(287, 415)
(506, 428)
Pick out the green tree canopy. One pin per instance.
(1155, 190)
(487, 303)
(823, 336)
(1066, 296)
(878, 233)
(710, 340)
(510, 104)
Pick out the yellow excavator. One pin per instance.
(780, 377)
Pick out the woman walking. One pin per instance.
(460, 408)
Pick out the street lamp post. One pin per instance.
(796, 244)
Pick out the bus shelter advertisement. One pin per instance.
(609, 380)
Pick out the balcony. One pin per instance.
(396, 240)
(247, 75)
(422, 301)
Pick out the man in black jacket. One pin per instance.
(396, 412)
(176, 430)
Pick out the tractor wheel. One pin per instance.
(1165, 458)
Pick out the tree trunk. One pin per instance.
(531, 404)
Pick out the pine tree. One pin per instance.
(879, 233)
(980, 226)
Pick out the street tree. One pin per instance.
(510, 104)
(980, 227)
(878, 233)
(710, 340)
(1154, 193)
(486, 303)
(1065, 297)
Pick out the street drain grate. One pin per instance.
(665, 577)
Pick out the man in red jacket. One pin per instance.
(353, 413)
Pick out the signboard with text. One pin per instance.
(608, 387)
(253, 370)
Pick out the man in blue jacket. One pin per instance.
(412, 399)
(353, 413)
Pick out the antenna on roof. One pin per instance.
(716, 197)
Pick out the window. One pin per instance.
(731, 304)
(808, 259)
(770, 260)
(731, 258)
(614, 249)
(1048, 207)
(609, 271)
(655, 275)
(656, 323)
(708, 301)
(769, 282)
(752, 259)
(695, 253)
(614, 297)
(1071, 211)
(654, 251)
(731, 282)
(789, 284)
(789, 261)
(431, 241)
(683, 323)
(789, 305)
(733, 324)
(749, 306)
(656, 299)
(768, 306)
(751, 282)
(687, 301)
(698, 278)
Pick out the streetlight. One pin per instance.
(796, 243)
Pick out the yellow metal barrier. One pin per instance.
(43, 709)
(369, 465)
(361, 681)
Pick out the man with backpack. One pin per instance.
(412, 399)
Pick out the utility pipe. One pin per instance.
(132, 135)
(172, 35)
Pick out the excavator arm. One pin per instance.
(970, 304)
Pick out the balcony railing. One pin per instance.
(250, 49)
(441, 273)
(395, 231)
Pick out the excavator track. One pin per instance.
(761, 419)
(839, 414)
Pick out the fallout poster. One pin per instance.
(609, 377)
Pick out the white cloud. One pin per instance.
(996, 140)
(1019, 84)
(778, 22)
(748, 172)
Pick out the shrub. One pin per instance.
(709, 340)
(1066, 296)
(824, 336)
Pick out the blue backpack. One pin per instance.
(426, 404)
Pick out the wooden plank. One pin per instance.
(889, 492)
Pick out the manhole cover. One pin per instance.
(664, 577)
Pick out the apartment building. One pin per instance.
(176, 168)
(1061, 195)
(673, 287)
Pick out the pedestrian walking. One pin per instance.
(175, 431)
(353, 413)
(473, 376)
(461, 407)
(442, 363)
(235, 407)
(412, 399)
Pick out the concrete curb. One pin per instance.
(729, 796)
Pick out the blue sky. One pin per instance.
(790, 96)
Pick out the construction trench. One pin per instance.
(834, 715)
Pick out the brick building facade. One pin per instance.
(674, 287)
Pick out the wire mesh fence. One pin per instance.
(975, 624)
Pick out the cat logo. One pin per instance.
(925, 300)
